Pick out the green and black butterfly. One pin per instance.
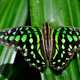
(46, 47)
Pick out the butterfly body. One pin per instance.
(44, 47)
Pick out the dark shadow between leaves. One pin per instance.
(20, 70)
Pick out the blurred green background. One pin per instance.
(15, 13)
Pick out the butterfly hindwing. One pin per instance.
(65, 41)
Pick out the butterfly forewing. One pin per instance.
(28, 41)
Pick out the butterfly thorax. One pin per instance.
(47, 42)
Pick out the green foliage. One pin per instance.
(56, 12)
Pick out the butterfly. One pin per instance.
(45, 47)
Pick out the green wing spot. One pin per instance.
(69, 38)
(1, 36)
(24, 37)
(32, 46)
(79, 37)
(17, 38)
(30, 35)
(64, 32)
(31, 40)
(77, 33)
(63, 35)
(6, 37)
(70, 46)
(24, 47)
(75, 38)
(11, 38)
(63, 40)
(63, 47)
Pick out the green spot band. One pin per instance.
(37, 35)
(39, 51)
(38, 39)
(56, 52)
(56, 38)
(24, 37)
(38, 45)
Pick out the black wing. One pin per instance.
(66, 42)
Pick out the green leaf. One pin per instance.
(56, 12)
(13, 13)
